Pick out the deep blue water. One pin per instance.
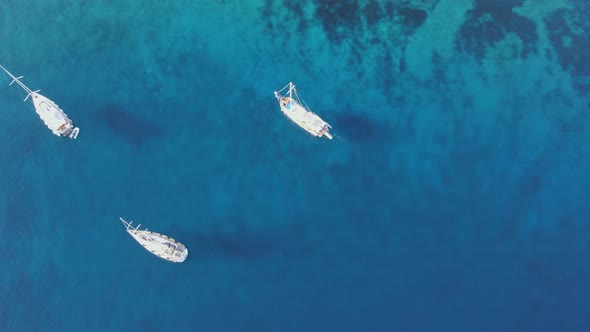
(454, 196)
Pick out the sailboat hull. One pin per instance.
(158, 244)
(53, 117)
(305, 119)
(293, 107)
(161, 245)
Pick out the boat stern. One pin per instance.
(184, 256)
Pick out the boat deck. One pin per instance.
(53, 117)
(304, 118)
(161, 245)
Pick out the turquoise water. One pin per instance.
(454, 196)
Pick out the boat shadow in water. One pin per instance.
(360, 128)
(129, 126)
(250, 245)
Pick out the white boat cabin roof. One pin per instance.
(53, 117)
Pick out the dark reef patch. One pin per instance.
(266, 13)
(338, 17)
(489, 22)
(568, 31)
(354, 22)
(373, 12)
(359, 127)
(403, 66)
(296, 7)
(386, 72)
(411, 17)
(439, 70)
(389, 9)
(129, 126)
(249, 244)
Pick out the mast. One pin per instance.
(291, 87)
(22, 85)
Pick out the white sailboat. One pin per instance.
(158, 244)
(295, 109)
(54, 118)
